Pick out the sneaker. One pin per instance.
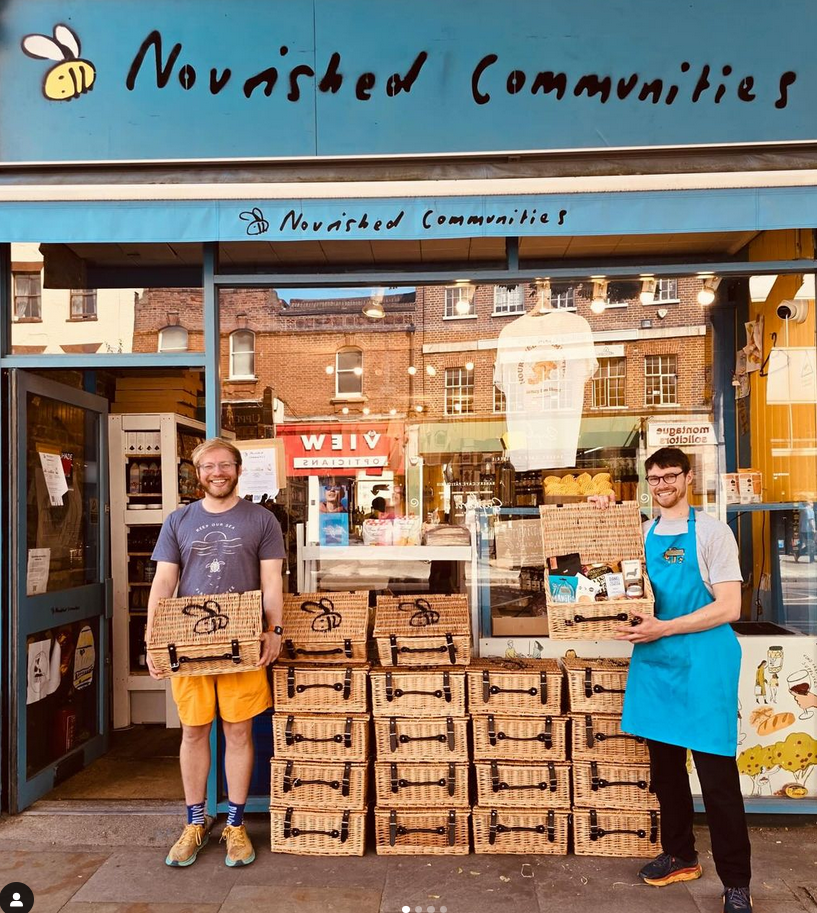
(186, 848)
(666, 869)
(239, 845)
(737, 900)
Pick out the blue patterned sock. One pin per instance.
(235, 814)
(195, 813)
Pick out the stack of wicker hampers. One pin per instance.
(319, 769)
(421, 726)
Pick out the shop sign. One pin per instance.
(328, 449)
(680, 434)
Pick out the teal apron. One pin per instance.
(683, 689)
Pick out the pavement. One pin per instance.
(113, 862)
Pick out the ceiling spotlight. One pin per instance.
(647, 295)
(463, 306)
(345, 410)
(366, 410)
(392, 412)
(418, 408)
(469, 366)
(599, 303)
(709, 285)
(374, 309)
(330, 369)
(431, 370)
(412, 370)
(357, 371)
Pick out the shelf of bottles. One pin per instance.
(141, 569)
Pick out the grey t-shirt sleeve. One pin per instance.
(718, 551)
(167, 545)
(271, 543)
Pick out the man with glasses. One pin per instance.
(220, 544)
(682, 689)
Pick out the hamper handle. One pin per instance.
(581, 619)
(176, 661)
(598, 782)
(497, 828)
(294, 738)
(403, 739)
(596, 831)
(341, 834)
(291, 782)
(592, 737)
(590, 689)
(398, 783)
(488, 689)
(444, 692)
(400, 830)
(498, 785)
(294, 651)
(449, 646)
(495, 736)
(345, 686)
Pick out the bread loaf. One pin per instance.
(775, 722)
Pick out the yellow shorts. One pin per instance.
(241, 696)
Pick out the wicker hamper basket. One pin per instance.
(519, 738)
(596, 685)
(598, 737)
(421, 831)
(424, 631)
(418, 692)
(321, 737)
(598, 536)
(207, 635)
(425, 785)
(612, 784)
(513, 830)
(421, 739)
(522, 687)
(318, 784)
(511, 785)
(304, 832)
(612, 832)
(301, 688)
(326, 627)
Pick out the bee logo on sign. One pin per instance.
(72, 76)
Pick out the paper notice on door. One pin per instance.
(39, 561)
(39, 661)
(54, 477)
(259, 473)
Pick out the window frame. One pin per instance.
(500, 401)
(570, 291)
(177, 327)
(658, 291)
(86, 295)
(28, 275)
(472, 303)
(503, 310)
(233, 374)
(466, 400)
(660, 375)
(604, 380)
(345, 350)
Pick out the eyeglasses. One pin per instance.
(668, 477)
(223, 467)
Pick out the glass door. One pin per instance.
(60, 589)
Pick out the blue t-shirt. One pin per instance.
(219, 553)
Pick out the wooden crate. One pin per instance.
(418, 692)
(612, 784)
(504, 784)
(421, 831)
(598, 536)
(423, 631)
(519, 738)
(326, 627)
(321, 737)
(305, 832)
(598, 737)
(207, 635)
(513, 830)
(421, 739)
(596, 685)
(522, 687)
(427, 785)
(318, 784)
(613, 832)
(301, 688)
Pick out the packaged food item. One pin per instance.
(635, 591)
(566, 565)
(406, 530)
(631, 569)
(377, 532)
(562, 588)
(614, 584)
(596, 573)
(586, 589)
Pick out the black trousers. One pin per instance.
(720, 783)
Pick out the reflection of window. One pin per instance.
(563, 297)
(459, 301)
(661, 380)
(666, 290)
(242, 354)
(459, 391)
(349, 372)
(508, 300)
(27, 296)
(608, 383)
(500, 404)
(83, 303)
(173, 339)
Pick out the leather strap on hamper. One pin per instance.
(441, 693)
(345, 686)
(590, 689)
(498, 785)
(294, 652)
(497, 828)
(592, 737)
(447, 646)
(344, 738)
(488, 689)
(177, 661)
(399, 830)
(582, 619)
(597, 782)
(341, 834)
(398, 783)
(597, 832)
(291, 782)
(403, 739)
(495, 736)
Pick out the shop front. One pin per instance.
(417, 336)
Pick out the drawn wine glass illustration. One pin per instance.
(800, 685)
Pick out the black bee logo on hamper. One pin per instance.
(327, 618)
(423, 615)
(258, 224)
(211, 618)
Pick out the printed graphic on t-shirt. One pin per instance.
(213, 552)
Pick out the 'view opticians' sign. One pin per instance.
(680, 434)
(328, 449)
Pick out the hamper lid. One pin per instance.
(421, 616)
(597, 535)
(326, 616)
(215, 618)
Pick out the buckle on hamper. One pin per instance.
(341, 834)
(398, 783)
(495, 736)
(345, 686)
(488, 689)
(590, 689)
(592, 737)
(581, 619)
(400, 830)
(596, 832)
(597, 782)
(444, 692)
(497, 828)
(291, 782)
(294, 652)
(176, 660)
(294, 738)
(498, 785)
(403, 739)
(447, 646)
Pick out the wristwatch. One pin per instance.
(276, 630)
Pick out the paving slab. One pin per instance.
(316, 899)
(78, 907)
(340, 872)
(54, 876)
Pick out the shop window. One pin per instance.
(563, 297)
(500, 403)
(173, 339)
(27, 296)
(609, 384)
(661, 380)
(242, 355)
(509, 300)
(666, 290)
(459, 302)
(459, 391)
(83, 304)
(349, 372)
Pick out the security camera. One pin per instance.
(795, 310)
